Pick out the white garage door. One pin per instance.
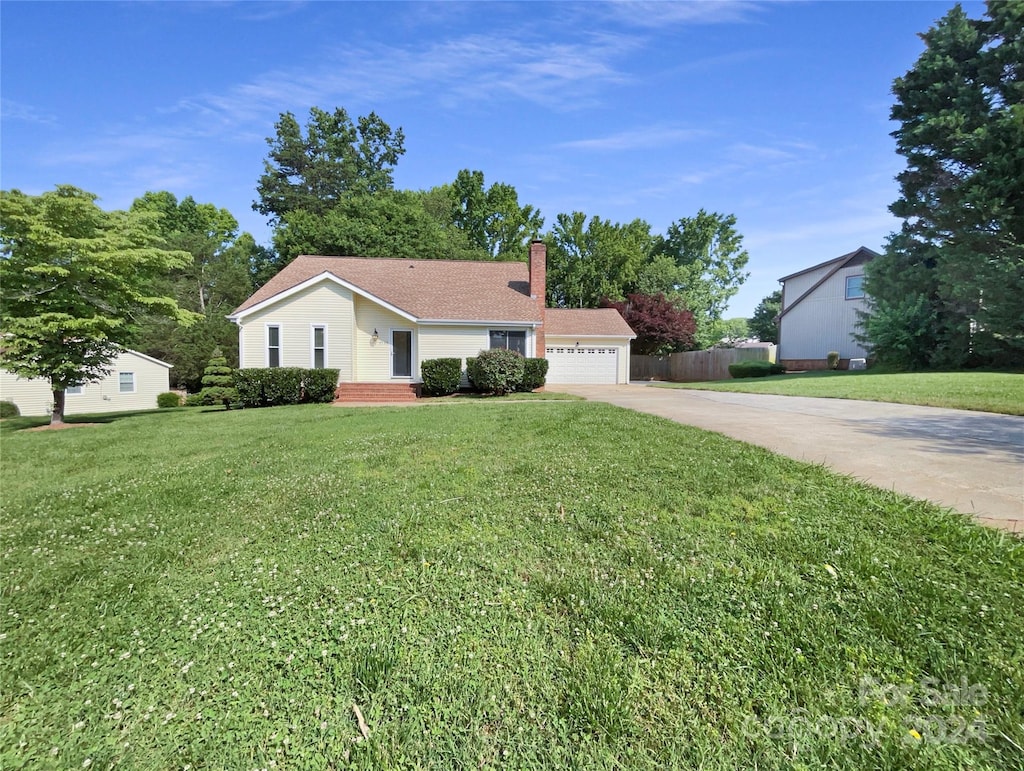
(582, 365)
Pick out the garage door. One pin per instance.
(582, 365)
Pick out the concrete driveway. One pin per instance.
(969, 461)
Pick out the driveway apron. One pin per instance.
(972, 462)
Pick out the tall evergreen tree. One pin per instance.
(949, 290)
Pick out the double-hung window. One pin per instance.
(319, 342)
(273, 346)
(512, 339)
(854, 287)
(126, 382)
(73, 390)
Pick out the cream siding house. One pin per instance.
(377, 320)
(820, 312)
(133, 383)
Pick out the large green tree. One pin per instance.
(215, 282)
(593, 260)
(491, 217)
(763, 324)
(74, 281)
(335, 157)
(389, 223)
(708, 252)
(949, 289)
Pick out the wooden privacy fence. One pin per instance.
(694, 366)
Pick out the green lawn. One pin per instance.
(986, 391)
(535, 585)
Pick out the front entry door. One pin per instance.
(401, 353)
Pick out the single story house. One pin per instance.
(819, 312)
(133, 383)
(377, 320)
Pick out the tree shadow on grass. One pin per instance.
(10, 425)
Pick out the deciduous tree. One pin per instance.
(74, 280)
(708, 250)
(762, 324)
(661, 325)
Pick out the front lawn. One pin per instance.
(539, 585)
(986, 391)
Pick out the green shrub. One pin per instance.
(218, 382)
(499, 371)
(168, 399)
(535, 371)
(319, 385)
(193, 400)
(833, 359)
(274, 386)
(441, 377)
(755, 369)
(9, 410)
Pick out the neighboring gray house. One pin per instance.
(819, 312)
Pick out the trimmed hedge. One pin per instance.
(168, 399)
(498, 371)
(755, 369)
(9, 410)
(441, 377)
(276, 386)
(535, 372)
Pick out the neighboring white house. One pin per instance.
(377, 320)
(132, 384)
(819, 312)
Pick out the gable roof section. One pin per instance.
(422, 290)
(858, 257)
(149, 358)
(586, 322)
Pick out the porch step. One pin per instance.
(376, 392)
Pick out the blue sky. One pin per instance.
(776, 112)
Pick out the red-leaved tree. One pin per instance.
(660, 325)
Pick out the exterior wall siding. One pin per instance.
(561, 341)
(825, 321)
(325, 304)
(373, 358)
(33, 397)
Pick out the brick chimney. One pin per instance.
(538, 286)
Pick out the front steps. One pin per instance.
(382, 393)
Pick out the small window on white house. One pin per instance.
(514, 340)
(319, 347)
(854, 287)
(73, 390)
(126, 382)
(274, 346)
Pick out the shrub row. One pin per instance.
(274, 386)
(755, 369)
(499, 371)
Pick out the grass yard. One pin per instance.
(986, 391)
(535, 585)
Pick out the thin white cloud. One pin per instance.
(657, 15)
(641, 138)
(476, 68)
(11, 110)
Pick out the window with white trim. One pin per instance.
(512, 339)
(319, 342)
(74, 390)
(854, 287)
(273, 346)
(126, 382)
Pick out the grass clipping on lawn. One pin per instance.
(559, 585)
